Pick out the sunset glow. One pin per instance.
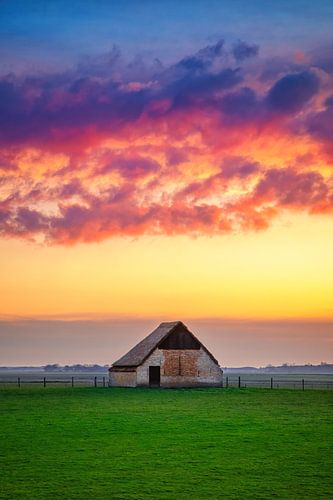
(194, 183)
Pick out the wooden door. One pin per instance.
(154, 376)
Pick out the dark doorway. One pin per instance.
(154, 376)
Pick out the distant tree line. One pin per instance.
(75, 368)
(285, 368)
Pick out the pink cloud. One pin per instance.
(178, 150)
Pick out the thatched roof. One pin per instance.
(139, 353)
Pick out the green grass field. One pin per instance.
(87, 443)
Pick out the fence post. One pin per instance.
(44, 381)
(239, 382)
(302, 384)
(227, 382)
(271, 382)
(95, 381)
(19, 381)
(72, 381)
(103, 381)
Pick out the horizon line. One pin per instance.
(96, 317)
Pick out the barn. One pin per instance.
(171, 356)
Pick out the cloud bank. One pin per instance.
(220, 141)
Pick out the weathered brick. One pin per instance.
(179, 367)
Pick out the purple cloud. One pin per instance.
(239, 168)
(291, 92)
(320, 124)
(241, 105)
(288, 187)
(132, 167)
(242, 50)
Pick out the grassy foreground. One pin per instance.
(87, 443)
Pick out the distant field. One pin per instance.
(87, 443)
(283, 381)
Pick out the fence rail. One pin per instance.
(44, 381)
(278, 383)
(229, 381)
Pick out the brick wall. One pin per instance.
(181, 368)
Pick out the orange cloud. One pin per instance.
(194, 149)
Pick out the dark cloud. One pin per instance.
(321, 124)
(202, 60)
(242, 50)
(287, 96)
(241, 105)
(193, 88)
(192, 64)
(212, 52)
(291, 92)
(51, 108)
(37, 113)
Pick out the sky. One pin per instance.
(166, 161)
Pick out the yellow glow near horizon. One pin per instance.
(284, 272)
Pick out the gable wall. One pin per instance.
(181, 368)
(180, 338)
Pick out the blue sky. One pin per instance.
(45, 34)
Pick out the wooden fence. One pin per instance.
(229, 381)
(73, 381)
(277, 382)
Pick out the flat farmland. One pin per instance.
(88, 443)
(89, 378)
